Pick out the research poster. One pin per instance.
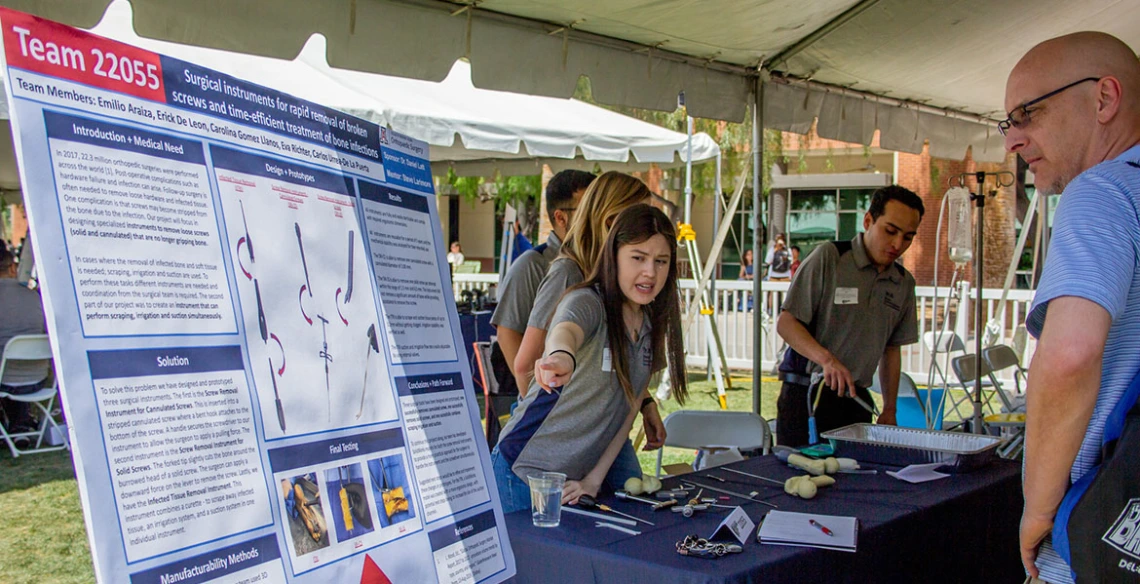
(255, 334)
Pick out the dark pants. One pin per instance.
(833, 412)
(18, 415)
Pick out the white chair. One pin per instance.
(704, 429)
(31, 348)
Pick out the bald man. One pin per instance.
(1073, 106)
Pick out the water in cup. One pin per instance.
(546, 498)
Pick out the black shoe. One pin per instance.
(22, 442)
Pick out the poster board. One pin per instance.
(253, 326)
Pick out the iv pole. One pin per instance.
(979, 200)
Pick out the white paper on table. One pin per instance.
(919, 473)
(795, 529)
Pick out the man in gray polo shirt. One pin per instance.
(850, 309)
(518, 288)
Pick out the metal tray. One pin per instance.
(904, 446)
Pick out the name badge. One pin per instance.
(607, 360)
(847, 296)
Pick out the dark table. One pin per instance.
(959, 529)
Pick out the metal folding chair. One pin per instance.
(1011, 423)
(963, 367)
(704, 429)
(1000, 358)
(35, 349)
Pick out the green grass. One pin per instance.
(44, 539)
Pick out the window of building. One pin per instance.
(816, 216)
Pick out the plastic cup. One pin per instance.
(546, 498)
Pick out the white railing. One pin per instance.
(735, 320)
(461, 282)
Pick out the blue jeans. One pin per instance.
(514, 494)
(625, 467)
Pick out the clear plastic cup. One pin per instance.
(546, 498)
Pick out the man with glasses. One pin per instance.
(1074, 116)
(517, 290)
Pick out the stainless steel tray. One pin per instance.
(903, 446)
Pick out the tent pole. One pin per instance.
(716, 269)
(757, 179)
(689, 171)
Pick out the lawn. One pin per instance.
(46, 541)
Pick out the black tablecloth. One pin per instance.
(959, 529)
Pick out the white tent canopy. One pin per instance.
(916, 71)
(475, 131)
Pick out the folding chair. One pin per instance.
(1002, 357)
(1012, 421)
(702, 429)
(36, 349)
(496, 403)
(945, 344)
(963, 367)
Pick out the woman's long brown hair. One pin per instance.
(635, 225)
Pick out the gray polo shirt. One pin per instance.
(562, 275)
(568, 433)
(518, 289)
(857, 312)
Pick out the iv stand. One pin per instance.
(979, 199)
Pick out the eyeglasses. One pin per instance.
(1019, 117)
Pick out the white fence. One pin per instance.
(735, 320)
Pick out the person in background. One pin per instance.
(1074, 116)
(745, 265)
(850, 309)
(608, 335)
(21, 313)
(455, 256)
(795, 259)
(605, 198)
(779, 261)
(518, 289)
(747, 272)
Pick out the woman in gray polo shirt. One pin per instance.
(607, 336)
(606, 197)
